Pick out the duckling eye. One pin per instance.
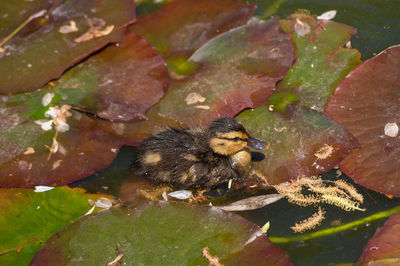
(236, 139)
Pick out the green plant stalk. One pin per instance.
(330, 231)
(20, 27)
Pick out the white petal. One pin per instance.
(181, 194)
(46, 100)
(328, 15)
(391, 130)
(42, 188)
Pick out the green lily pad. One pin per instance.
(367, 103)
(25, 159)
(383, 248)
(182, 26)
(161, 234)
(28, 219)
(301, 141)
(322, 62)
(43, 49)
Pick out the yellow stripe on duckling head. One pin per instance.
(233, 134)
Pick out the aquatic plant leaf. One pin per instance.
(237, 70)
(43, 49)
(182, 26)
(28, 219)
(367, 103)
(301, 141)
(89, 145)
(178, 234)
(383, 248)
(118, 84)
(322, 62)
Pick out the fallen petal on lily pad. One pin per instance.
(301, 141)
(43, 49)
(237, 70)
(31, 156)
(177, 235)
(383, 248)
(28, 219)
(322, 61)
(367, 103)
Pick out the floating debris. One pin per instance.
(68, 28)
(310, 222)
(252, 203)
(265, 227)
(29, 150)
(328, 15)
(391, 130)
(181, 194)
(42, 188)
(47, 98)
(212, 260)
(194, 97)
(301, 28)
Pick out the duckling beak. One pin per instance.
(256, 144)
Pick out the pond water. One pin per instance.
(378, 27)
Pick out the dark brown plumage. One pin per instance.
(197, 157)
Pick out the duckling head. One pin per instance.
(227, 137)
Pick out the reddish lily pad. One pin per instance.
(301, 141)
(28, 219)
(161, 234)
(118, 84)
(383, 248)
(25, 160)
(182, 26)
(238, 69)
(322, 62)
(40, 52)
(366, 102)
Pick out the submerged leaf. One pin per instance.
(28, 219)
(179, 234)
(367, 103)
(39, 52)
(251, 203)
(301, 141)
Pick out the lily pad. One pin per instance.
(383, 248)
(80, 148)
(301, 141)
(118, 84)
(177, 235)
(367, 103)
(237, 70)
(63, 35)
(28, 219)
(322, 61)
(182, 26)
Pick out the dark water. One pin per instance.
(378, 27)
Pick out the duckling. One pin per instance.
(197, 157)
